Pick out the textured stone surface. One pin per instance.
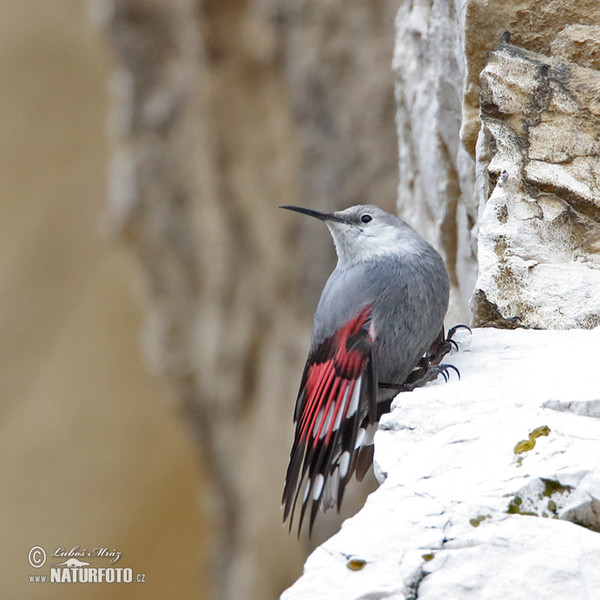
(441, 49)
(578, 44)
(491, 484)
(534, 25)
(539, 155)
(91, 452)
(436, 191)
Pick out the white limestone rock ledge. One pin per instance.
(490, 485)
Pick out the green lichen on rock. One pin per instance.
(529, 444)
(542, 498)
(477, 520)
(514, 508)
(428, 557)
(552, 486)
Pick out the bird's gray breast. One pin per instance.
(409, 297)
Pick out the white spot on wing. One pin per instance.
(344, 463)
(318, 486)
(335, 480)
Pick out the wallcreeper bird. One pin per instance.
(378, 330)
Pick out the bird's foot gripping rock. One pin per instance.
(429, 373)
(429, 367)
(442, 345)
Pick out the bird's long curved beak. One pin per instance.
(314, 213)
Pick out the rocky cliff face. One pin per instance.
(490, 485)
(91, 455)
(437, 180)
(532, 106)
(538, 159)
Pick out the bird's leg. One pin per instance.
(428, 375)
(419, 370)
(428, 368)
(442, 345)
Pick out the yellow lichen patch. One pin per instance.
(529, 444)
(524, 446)
(356, 564)
(428, 557)
(539, 432)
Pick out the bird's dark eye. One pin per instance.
(366, 218)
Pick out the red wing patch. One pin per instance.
(337, 392)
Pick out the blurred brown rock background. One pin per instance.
(222, 110)
(156, 304)
(93, 452)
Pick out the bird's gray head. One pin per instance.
(363, 232)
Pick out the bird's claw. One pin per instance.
(429, 374)
(443, 371)
(443, 345)
(453, 330)
(429, 368)
(449, 341)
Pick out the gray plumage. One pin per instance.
(381, 311)
(387, 263)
